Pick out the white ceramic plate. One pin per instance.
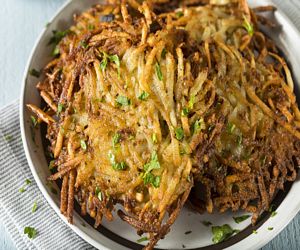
(119, 235)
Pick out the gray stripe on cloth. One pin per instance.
(15, 207)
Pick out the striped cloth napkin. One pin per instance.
(16, 207)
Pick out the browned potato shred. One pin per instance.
(148, 99)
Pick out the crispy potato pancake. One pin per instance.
(148, 100)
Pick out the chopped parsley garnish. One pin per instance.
(56, 38)
(199, 125)
(158, 71)
(148, 177)
(119, 166)
(154, 138)
(98, 193)
(22, 189)
(116, 60)
(179, 14)
(103, 63)
(34, 207)
(84, 44)
(51, 164)
(206, 223)
(163, 53)
(271, 208)
(116, 139)
(191, 102)
(35, 73)
(143, 96)
(254, 231)
(185, 112)
(274, 213)
(113, 58)
(142, 239)
(222, 233)
(241, 218)
(30, 231)
(179, 134)
(248, 26)
(116, 165)
(83, 145)
(91, 27)
(8, 137)
(123, 101)
(230, 127)
(270, 228)
(188, 232)
(60, 108)
(33, 121)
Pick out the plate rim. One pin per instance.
(252, 241)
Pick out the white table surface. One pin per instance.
(21, 22)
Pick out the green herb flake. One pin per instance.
(154, 138)
(103, 64)
(230, 127)
(148, 177)
(163, 53)
(99, 193)
(153, 164)
(51, 164)
(221, 233)
(8, 138)
(179, 134)
(143, 96)
(22, 190)
(56, 51)
(35, 73)
(185, 112)
(142, 239)
(191, 102)
(123, 101)
(33, 121)
(270, 228)
(115, 59)
(120, 166)
(116, 139)
(27, 181)
(271, 208)
(84, 44)
(254, 231)
(274, 213)
(91, 27)
(158, 71)
(199, 125)
(34, 207)
(83, 144)
(206, 223)
(31, 232)
(248, 26)
(60, 108)
(116, 165)
(241, 218)
(58, 36)
(179, 14)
